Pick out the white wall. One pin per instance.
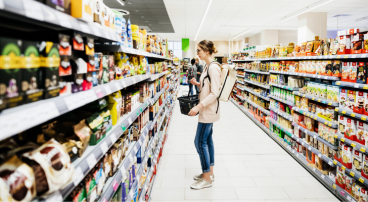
(310, 25)
(222, 47)
(192, 50)
(255, 40)
(287, 36)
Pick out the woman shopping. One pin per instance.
(209, 87)
(192, 73)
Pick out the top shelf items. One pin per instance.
(324, 57)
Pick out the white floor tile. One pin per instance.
(168, 194)
(210, 193)
(277, 182)
(308, 193)
(249, 172)
(261, 193)
(218, 172)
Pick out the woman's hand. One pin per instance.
(194, 82)
(194, 111)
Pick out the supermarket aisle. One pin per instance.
(249, 165)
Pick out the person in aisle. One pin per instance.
(199, 72)
(192, 73)
(209, 85)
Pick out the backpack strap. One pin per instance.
(209, 79)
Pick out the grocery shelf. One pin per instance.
(356, 175)
(158, 114)
(281, 113)
(157, 96)
(241, 68)
(333, 78)
(342, 192)
(315, 117)
(317, 99)
(156, 76)
(256, 71)
(240, 76)
(285, 87)
(351, 85)
(18, 119)
(267, 112)
(121, 48)
(240, 97)
(113, 182)
(254, 93)
(323, 57)
(240, 82)
(282, 100)
(349, 112)
(289, 132)
(315, 135)
(257, 84)
(42, 17)
(353, 144)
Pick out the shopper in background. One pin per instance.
(199, 72)
(209, 86)
(192, 73)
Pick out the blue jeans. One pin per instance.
(204, 144)
(191, 86)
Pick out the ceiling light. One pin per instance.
(361, 19)
(242, 34)
(129, 2)
(204, 16)
(309, 8)
(121, 2)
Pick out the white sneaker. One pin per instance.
(201, 183)
(200, 176)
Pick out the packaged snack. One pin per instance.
(345, 71)
(115, 104)
(17, 181)
(359, 104)
(357, 161)
(347, 156)
(365, 166)
(349, 183)
(344, 98)
(304, 104)
(323, 91)
(335, 93)
(351, 99)
(362, 73)
(363, 194)
(328, 68)
(52, 167)
(361, 133)
(350, 130)
(353, 72)
(355, 190)
(340, 177)
(329, 92)
(337, 68)
(91, 188)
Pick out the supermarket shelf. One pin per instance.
(241, 68)
(282, 100)
(257, 84)
(283, 114)
(325, 180)
(263, 127)
(257, 106)
(353, 144)
(254, 93)
(158, 113)
(42, 17)
(285, 87)
(156, 76)
(256, 71)
(315, 135)
(343, 193)
(323, 101)
(18, 119)
(240, 82)
(323, 57)
(113, 183)
(356, 175)
(315, 117)
(350, 113)
(240, 76)
(95, 153)
(240, 97)
(289, 132)
(333, 78)
(352, 85)
(120, 48)
(157, 96)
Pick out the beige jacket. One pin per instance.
(209, 94)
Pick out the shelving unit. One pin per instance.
(257, 106)
(257, 84)
(352, 114)
(281, 113)
(332, 78)
(257, 94)
(351, 143)
(289, 132)
(315, 117)
(322, 57)
(281, 100)
(256, 71)
(285, 87)
(317, 99)
(240, 76)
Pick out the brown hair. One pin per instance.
(208, 46)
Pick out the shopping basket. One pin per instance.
(187, 103)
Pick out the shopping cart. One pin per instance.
(187, 103)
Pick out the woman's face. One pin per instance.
(201, 53)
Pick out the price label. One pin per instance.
(342, 139)
(361, 180)
(339, 56)
(343, 112)
(33, 10)
(330, 163)
(356, 86)
(123, 83)
(319, 155)
(353, 144)
(315, 118)
(312, 98)
(364, 118)
(325, 122)
(107, 90)
(314, 169)
(352, 114)
(336, 136)
(335, 162)
(330, 124)
(343, 167)
(362, 149)
(104, 147)
(130, 120)
(113, 138)
(352, 173)
(336, 109)
(309, 148)
(322, 176)
(91, 161)
(123, 127)
(319, 100)
(334, 186)
(365, 87)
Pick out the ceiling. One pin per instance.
(240, 15)
(148, 13)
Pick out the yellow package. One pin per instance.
(114, 105)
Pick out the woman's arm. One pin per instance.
(215, 74)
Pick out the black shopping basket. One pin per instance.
(187, 103)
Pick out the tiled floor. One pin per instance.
(249, 166)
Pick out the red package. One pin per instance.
(365, 165)
(359, 103)
(340, 177)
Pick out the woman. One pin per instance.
(192, 73)
(209, 91)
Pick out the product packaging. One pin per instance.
(362, 73)
(353, 72)
(340, 177)
(347, 156)
(82, 9)
(345, 71)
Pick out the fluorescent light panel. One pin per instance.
(121, 2)
(242, 34)
(309, 8)
(204, 16)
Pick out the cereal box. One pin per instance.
(350, 129)
(353, 72)
(345, 71)
(347, 156)
(357, 161)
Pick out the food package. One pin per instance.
(90, 187)
(365, 110)
(350, 129)
(345, 71)
(351, 99)
(340, 177)
(347, 156)
(349, 181)
(115, 104)
(362, 73)
(353, 72)
(357, 161)
(51, 165)
(82, 9)
(361, 132)
(344, 98)
(17, 181)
